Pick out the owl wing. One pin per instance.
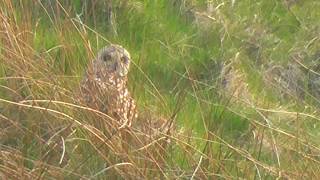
(127, 107)
(95, 93)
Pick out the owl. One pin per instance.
(104, 86)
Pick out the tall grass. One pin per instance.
(238, 79)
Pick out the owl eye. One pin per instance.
(124, 59)
(106, 57)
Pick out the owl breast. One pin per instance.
(111, 96)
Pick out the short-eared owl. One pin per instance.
(104, 86)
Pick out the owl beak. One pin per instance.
(116, 67)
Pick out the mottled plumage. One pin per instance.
(104, 86)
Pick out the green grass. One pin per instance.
(234, 116)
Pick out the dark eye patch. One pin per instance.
(106, 57)
(124, 59)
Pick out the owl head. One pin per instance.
(113, 60)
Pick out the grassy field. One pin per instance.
(239, 80)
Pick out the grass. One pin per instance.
(239, 79)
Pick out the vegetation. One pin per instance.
(239, 80)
